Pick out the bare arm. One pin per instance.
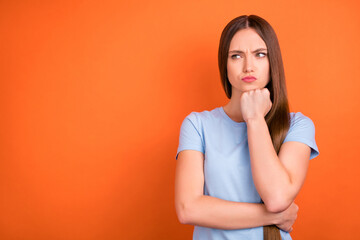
(193, 207)
(277, 178)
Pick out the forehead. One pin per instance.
(246, 39)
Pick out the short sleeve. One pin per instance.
(191, 135)
(302, 130)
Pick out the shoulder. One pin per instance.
(302, 129)
(298, 118)
(193, 130)
(299, 121)
(199, 118)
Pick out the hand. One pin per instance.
(255, 103)
(288, 217)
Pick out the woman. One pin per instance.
(240, 167)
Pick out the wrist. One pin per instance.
(271, 217)
(255, 120)
(276, 218)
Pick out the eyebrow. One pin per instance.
(257, 50)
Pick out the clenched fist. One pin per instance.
(255, 104)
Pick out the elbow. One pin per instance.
(183, 212)
(275, 208)
(277, 205)
(182, 216)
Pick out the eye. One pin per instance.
(235, 56)
(261, 54)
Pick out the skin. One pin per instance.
(195, 208)
(278, 179)
(247, 57)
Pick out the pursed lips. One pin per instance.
(249, 79)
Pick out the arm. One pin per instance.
(193, 207)
(278, 178)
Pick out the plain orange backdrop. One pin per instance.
(92, 95)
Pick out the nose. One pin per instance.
(248, 64)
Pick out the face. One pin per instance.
(247, 57)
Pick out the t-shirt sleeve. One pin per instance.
(302, 130)
(191, 136)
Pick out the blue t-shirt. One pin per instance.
(227, 168)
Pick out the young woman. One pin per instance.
(240, 166)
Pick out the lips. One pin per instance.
(249, 79)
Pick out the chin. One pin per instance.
(247, 87)
(252, 87)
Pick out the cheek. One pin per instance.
(266, 70)
(230, 75)
(229, 71)
(232, 70)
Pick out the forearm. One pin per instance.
(213, 212)
(271, 179)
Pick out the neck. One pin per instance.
(233, 108)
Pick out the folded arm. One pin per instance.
(277, 178)
(193, 207)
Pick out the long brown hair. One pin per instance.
(278, 118)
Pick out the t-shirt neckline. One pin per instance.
(229, 120)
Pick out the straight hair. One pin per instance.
(278, 118)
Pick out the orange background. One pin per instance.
(93, 94)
